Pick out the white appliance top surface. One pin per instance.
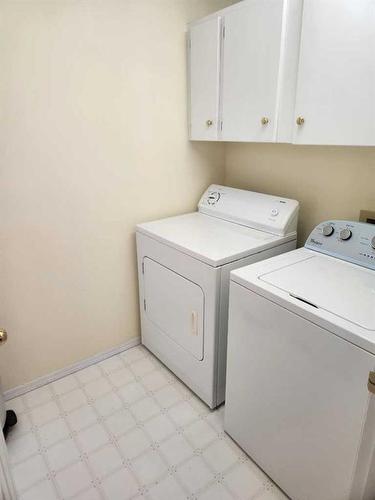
(343, 293)
(210, 239)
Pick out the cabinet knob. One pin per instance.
(209, 123)
(300, 120)
(3, 336)
(265, 120)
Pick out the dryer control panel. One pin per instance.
(346, 240)
(265, 212)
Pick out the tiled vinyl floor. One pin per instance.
(127, 428)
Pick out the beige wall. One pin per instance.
(329, 182)
(92, 140)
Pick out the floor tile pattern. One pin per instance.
(127, 428)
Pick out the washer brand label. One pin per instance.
(316, 242)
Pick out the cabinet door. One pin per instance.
(252, 42)
(204, 62)
(336, 76)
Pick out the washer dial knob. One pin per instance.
(345, 234)
(373, 242)
(328, 230)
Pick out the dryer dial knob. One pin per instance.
(328, 230)
(345, 234)
(213, 197)
(373, 242)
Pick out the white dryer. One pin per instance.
(301, 359)
(184, 264)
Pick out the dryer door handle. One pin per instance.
(194, 323)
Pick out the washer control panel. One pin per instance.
(346, 240)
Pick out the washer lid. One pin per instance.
(210, 239)
(340, 288)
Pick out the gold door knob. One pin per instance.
(371, 382)
(265, 120)
(3, 336)
(300, 120)
(209, 123)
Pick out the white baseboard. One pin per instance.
(52, 377)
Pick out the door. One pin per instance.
(252, 44)
(336, 76)
(204, 79)
(7, 490)
(297, 399)
(175, 305)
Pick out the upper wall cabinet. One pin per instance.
(252, 65)
(242, 72)
(300, 71)
(204, 75)
(335, 101)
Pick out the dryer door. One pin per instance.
(175, 305)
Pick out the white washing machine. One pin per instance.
(184, 264)
(301, 359)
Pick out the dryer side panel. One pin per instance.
(224, 299)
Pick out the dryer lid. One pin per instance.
(340, 288)
(213, 241)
